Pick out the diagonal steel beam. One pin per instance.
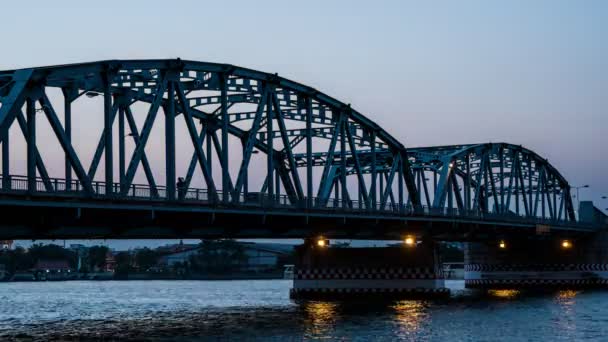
(514, 161)
(442, 187)
(219, 153)
(251, 140)
(292, 164)
(389, 180)
(101, 144)
(144, 159)
(194, 159)
(14, 99)
(39, 162)
(457, 195)
(145, 134)
(328, 163)
(65, 144)
(357, 162)
(202, 160)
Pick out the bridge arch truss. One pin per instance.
(240, 125)
(495, 178)
(251, 139)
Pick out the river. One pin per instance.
(261, 310)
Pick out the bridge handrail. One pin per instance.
(60, 187)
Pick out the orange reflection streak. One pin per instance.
(504, 294)
(566, 294)
(409, 314)
(321, 317)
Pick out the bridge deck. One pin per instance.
(60, 210)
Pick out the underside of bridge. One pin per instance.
(223, 140)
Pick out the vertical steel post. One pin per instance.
(515, 174)
(502, 180)
(360, 196)
(309, 189)
(400, 180)
(381, 188)
(209, 151)
(225, 120)
(6, 173)
(67, 126)
(108, 139)
(554, 190)
(450, 193)
(269, 141)
(245, 179)
(277, 184)
(344, 119)
(486, 183)
(336, 192)
(121, 144)
(417, 175)
(31, 144)
(467, 185)
(374, 171)
(170, 141)
(530, 183)
(543, 190)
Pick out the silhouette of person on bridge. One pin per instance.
(181, 188)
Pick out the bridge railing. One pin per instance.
(15, 184)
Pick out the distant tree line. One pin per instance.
(20, 259)
(92, 259)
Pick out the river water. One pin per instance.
(261, 310)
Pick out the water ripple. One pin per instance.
(261, 310)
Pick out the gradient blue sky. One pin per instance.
(430, 72)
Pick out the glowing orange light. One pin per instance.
(321, 242)
(502, 245)
(410, 241)
(566, 244)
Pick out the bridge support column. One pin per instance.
(538, 263)
(323, 272)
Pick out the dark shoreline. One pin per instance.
(135, 277)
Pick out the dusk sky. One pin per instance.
(533, 73)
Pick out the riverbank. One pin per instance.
(105, 276)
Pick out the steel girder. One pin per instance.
(317, 150)
(494, 177)
(278, 119)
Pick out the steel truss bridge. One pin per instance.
(97, 150)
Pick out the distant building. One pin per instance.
(6, 244)
(256, 256)
(262, 256)
(176, 248)
(177, 257)
(110, 264)
(52, 266)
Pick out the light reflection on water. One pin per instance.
(261, 310)
(566, 300)
(321, 317)
(409, 314)
(504, 294)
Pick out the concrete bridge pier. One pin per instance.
(411, 270)
(538, 262)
